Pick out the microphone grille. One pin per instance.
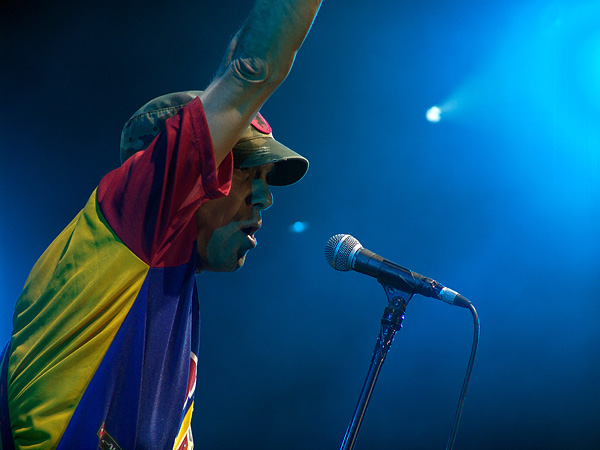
(339, 251)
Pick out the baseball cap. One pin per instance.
(255, 147)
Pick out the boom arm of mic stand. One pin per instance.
(391, 321)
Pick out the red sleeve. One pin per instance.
(150, 200)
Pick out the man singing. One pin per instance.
(105, 333)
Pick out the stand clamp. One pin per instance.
(391, 321)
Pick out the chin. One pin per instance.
(231, 267)
(240, 262)
(221, 266)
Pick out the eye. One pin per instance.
(266, 171)
(244, 172)
(256, 172)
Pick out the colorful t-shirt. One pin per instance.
(105, 332)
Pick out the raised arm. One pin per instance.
(257, 61)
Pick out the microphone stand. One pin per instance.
(391, 321)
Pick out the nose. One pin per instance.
(261, 194)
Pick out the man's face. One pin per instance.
(226, 225)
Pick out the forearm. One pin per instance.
(267, 43)
(257, 61)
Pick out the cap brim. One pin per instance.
(290, 167)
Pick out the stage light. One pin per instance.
(298, 227)
(434, 114)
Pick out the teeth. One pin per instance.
(252, 240)
(250, 230)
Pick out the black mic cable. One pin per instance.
(463, 391)
(344, 252)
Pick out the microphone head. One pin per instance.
(340, 250)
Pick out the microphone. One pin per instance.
(344, 252)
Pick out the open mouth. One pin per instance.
(250, 230)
